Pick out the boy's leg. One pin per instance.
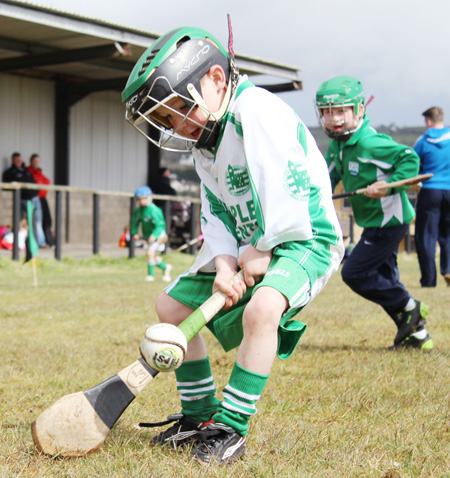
(444, 236)
(426, 235)
(195, 383)
(151, 262)
(159, 246)
(224, 439)
(372, 272)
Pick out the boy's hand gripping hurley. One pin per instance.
(396, 184)
(79, 423)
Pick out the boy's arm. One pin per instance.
(285, 167)
(217, 224)
(160, 222)
(404, 160)
(333, 169)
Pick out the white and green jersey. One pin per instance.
(367, 157)
(267, 184)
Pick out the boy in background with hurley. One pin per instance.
(266, 209)
(362, 158)
(151, 220)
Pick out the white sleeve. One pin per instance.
(216, 224)
(279, 151)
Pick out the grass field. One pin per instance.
(341, 406)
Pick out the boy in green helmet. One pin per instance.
(255, 158)
(151, 220)
(362, 158)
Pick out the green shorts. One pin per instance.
(284, 275)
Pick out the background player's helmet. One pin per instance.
(339, 92)
(142, 192)
(173, 66)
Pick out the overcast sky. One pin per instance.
(399, 49)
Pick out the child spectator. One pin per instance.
(153, 225)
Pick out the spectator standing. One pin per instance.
(17, 172)
(433, 203)
(43, 216)
(162, 186)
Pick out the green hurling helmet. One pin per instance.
(173, 67)
(339, 92)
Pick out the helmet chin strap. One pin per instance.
(211, 129)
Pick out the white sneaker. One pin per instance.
(166, 276)
(149, 278)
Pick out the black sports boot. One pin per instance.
(412, 342)
(219, 444)
(182, 432)
(410, 321)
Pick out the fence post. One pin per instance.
(16, 223)
(168, 219)
(408, 240)
(96, 224)
(58, 224)
(195, 211)
(351, 232)
(132, 207)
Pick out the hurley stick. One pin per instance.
(190, 243)
(79, 423)
(396, 184)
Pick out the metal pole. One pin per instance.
(96, 223)
(58, 224)
(16, 223)
(132, 207)
(195, 211)
(351, 221)
(67, 224)
(168, 219)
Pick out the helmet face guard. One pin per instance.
(341, 92)
(167, 137)
(173, 67)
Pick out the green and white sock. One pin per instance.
(150, 268)
(240, 397)
(410, 305)
(420, 335)
(162, 265)
(195, 385)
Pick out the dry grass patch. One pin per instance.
(342, 406)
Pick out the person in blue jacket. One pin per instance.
(433, 204)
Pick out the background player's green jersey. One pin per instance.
(151, 219)
(367, 157)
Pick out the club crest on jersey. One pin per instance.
(237, 180)
(353, 168)
(296, 181)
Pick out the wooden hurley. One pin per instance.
(79, 423)
(190, 243)
(396, 184)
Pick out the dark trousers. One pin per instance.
(371, 269)
(432, 226)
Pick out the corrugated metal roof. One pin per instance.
(33, 39)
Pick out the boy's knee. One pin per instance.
(162, 307)
(259, 316)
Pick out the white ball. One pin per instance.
(163, 347)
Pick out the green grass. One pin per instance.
(341, 406)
